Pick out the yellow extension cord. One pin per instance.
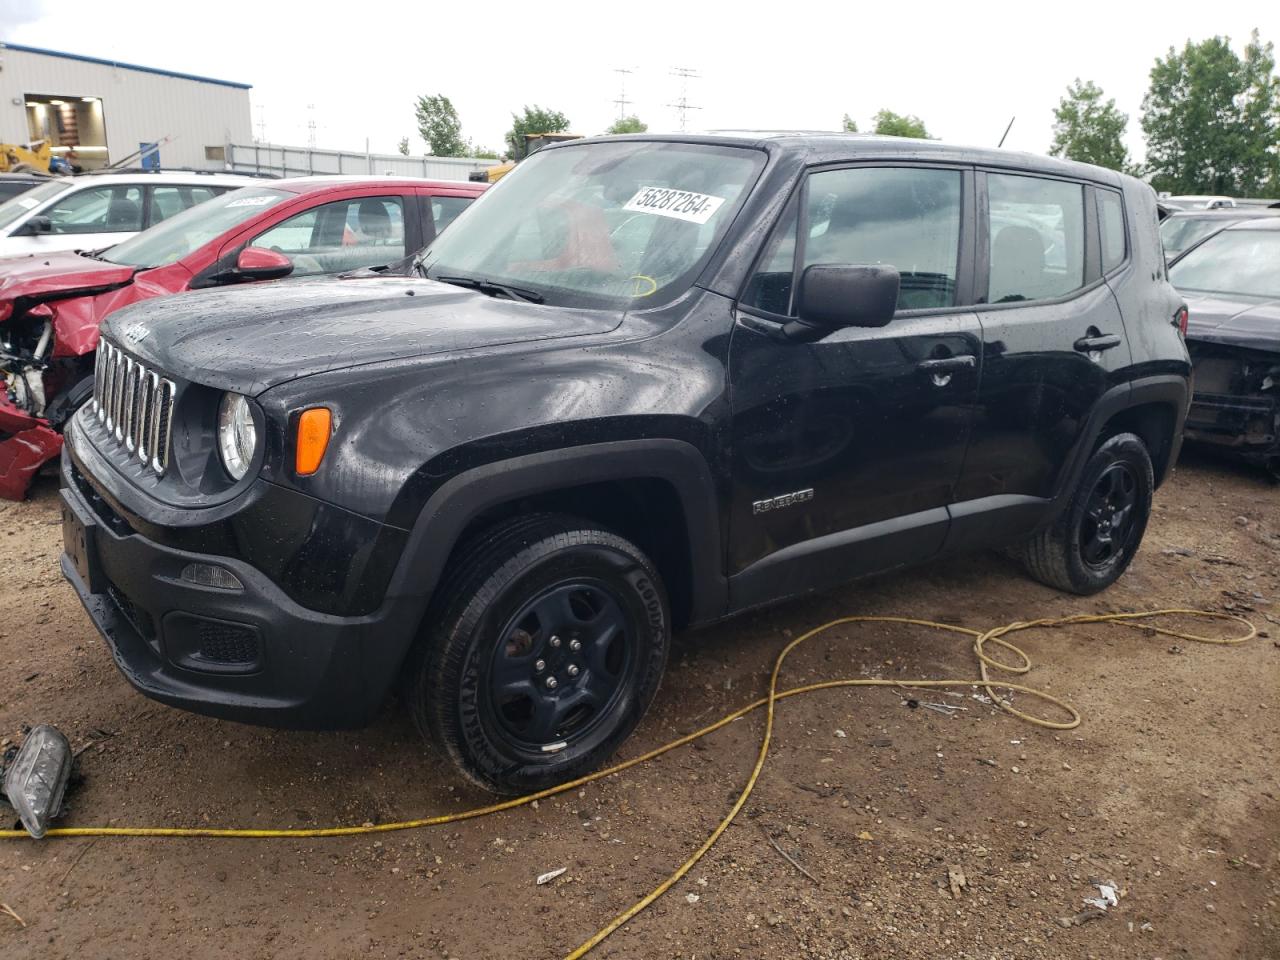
(980, 639)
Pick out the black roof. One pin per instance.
(825, 147)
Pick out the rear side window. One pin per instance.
(444, 210)
(167, 200)
(1111, 220)
(903, 217)
(1036, 238)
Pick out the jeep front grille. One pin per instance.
(135, 405)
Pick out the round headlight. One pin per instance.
(237, 436)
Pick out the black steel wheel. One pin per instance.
(547, 647)
(1106, 525)
(1093, 540)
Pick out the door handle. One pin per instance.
(1094, 344)
(948, 364)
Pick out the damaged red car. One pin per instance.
(51, 305)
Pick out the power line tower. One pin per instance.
(683, 106)
(262, 122)
(622, 101)
(311, 125)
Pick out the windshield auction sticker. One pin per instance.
(677, 204)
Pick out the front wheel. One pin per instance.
(1092, 543)
(544, 654)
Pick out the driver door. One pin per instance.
(846, 451)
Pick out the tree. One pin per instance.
(533, 120)
(481, 153)
(403, 146)
(1087, 129)
(439, 126)
(631, 124)
(850, 125)
(1212, 119)
(890, 124)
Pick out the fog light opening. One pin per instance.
(211, 575)
(37, 779)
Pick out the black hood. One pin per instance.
(251, 338)
(1251, 322)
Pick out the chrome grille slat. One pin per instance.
(130, 404)
(135, 405)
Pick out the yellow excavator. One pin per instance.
(33, 157)
(533, 142)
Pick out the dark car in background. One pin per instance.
(13, 184)
(644, 383)
(1232, 285)
(1181, 231)
(51, 304)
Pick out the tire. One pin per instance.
(545, 650)
(1093, 542)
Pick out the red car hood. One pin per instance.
(57, 274)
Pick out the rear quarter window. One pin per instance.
(1111, 222)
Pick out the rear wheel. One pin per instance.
(1092, 543)
(546, 651)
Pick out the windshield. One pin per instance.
(185, 232)
(21, 205)
(1234, 262)
(1182, 233)
(599, 224)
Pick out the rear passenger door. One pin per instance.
(846, 450)
(1053, 344)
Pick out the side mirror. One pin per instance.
(259, 263)
(834, 295)
(37, 225)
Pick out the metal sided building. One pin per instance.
(97, 112)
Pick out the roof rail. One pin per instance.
(209, 173)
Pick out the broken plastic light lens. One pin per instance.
(38, 778)
(237, 436)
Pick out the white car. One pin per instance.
(97, 210)
(1198, 202)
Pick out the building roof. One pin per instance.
(124, 66)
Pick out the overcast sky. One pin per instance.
(965, 69)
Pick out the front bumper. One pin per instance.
(1250, 424)
(252, 655)
(28, 443)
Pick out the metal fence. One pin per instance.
(305, 161)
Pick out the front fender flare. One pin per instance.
(461, 499)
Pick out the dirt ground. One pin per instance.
(1168, 789)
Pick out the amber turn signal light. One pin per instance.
(314, 427)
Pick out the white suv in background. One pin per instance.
(97, 210)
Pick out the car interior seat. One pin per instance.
(1017, 265)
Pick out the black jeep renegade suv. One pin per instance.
(644, 383)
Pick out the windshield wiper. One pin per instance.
(493, 288)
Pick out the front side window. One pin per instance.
(903, 217)
(606, 224)
(1036, 238)
(106, 209)
(340, 236)
(24, 203)
(1111, 220)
